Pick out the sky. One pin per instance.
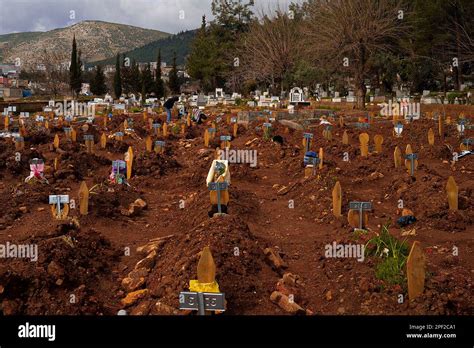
(171, 16)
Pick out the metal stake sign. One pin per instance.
(218, 187)
(58, 200)
(225, 141)
(159, 146)
(361, 207)
(412, 157)
(398, 129)
(202, 301)
(307, 140)
(361, 125)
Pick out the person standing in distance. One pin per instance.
(168, 105)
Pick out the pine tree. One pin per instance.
(98, 86)
(117, 79)
(173, 83)
(126, 76)
(74, 69)
(147, 79)
(135, 78)
(159, 87)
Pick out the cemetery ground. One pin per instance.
(139, 245)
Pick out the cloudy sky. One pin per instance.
(164, 15)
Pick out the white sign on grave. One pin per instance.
(219, 93)
(296, 95)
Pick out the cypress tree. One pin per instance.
(159, 87)
(74, 69)
(173, 83)
(117, 79)
(98, 86)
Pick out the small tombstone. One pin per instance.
(345, 138)
(452, 191)
(221, 194)
(148, 144)
(431, 138)
(378, 140)
(59, 206)
(364, 144)
(129, 161)
(416, 271)
(159, 147)
(103, 141)
(397, 157)
(56, 141)
(83, 199)
(337, 200)
(89, 140)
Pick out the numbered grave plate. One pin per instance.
(211, 130)
(411, 156)
(160, 143)
(55, 199)
(89, 137)
(308, 135)
(360, 205)
(267, 125)
(119, 134)
(210, 301)
(226, 138)
(156, 125)
(217, 186)
(233, 120)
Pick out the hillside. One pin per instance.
(179, 43)
(96, 39)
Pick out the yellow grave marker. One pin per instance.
(321, 156)
(148, 144)
(206, 138)
(56, 141)
(206, 274)
(408, 151)
(345, 138)
(103, 141)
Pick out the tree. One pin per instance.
(173, 83)
(345, 35)
(98, 86)
(147, 81)
(269, 51)
(159, 87)
(135, 78)
(117, 79)
(75, 69)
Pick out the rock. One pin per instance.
(23, 210)
(329, 295)
(275, 259)
(291, 279)
(164, 309)
(9, 307)
(284, 303)
(134, 208)
(135, 279)
(133, 297)
(341, 310)
(148, 248)
(142, 309)
(40, 209)
(148, 262)
(55, 270)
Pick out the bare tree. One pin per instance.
(270, 49)
(345, 34)
(54, 68)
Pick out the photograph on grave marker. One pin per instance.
(247, 158)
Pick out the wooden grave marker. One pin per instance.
(431, 138)
(83, 199)
(337, 200)
(397, 157)
(452, 192)
(129, 161)
(89, 140)
(103, 141)
(378, 140)
(159, 147)
(321, 158)
(411, 162)
(148, 144)
(56, 202)
(56, 141)
(19, 143)
(416, 271)
(364, 144)
(345, 138)
(206, 138)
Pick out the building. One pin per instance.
(9, 92)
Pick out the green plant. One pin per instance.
(176, 128)
(394, 254)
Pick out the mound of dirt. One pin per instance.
(72, 275)
(242, 273)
